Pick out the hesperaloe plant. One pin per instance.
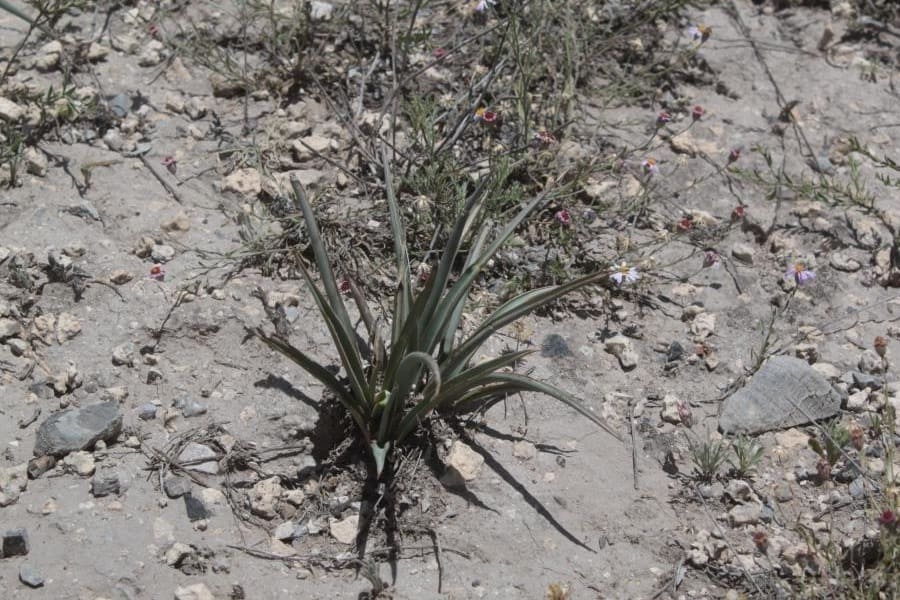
(424, 366)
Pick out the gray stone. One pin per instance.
(784, 393)
(123, 355)
(712, 491)
(9, 110)
(870, 362)
(13, 481)
(844, 262)
(176, 486)
(162, 253)
(783, 492)
(15, 543)
(105, 484)
(198, 457)
(9, 328)
(192, 408)
(862, 381)
(30, 576)
(674, 352)
(307, 466)
(739, 490)
(195, 508)
(321, 11)
(285, 531)
(743, 252)
(857, 488)
(745, 514)
(147, 412)
(264, 497)
(154, 375)
(196, 591)
(78, 429)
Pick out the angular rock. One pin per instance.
(745, 514)
(14, 543)
(147, 412)
(463, 464)
(10, 111)
(620, 347)
(13, 481)
(783, 492)
(78, 429)
(785, 392)
(30, 576)
(743, 252)
(247, 182)
(162, 253)
(35, 162)
(176, 486)
(320, 11)
(198, 457)
(105, 484)
(9, 328)
(81, 462)
(870, 362)
(39, 465)
(306, 466)
(524, 449)
(843, 262)
(344, 531)
(123, 355)
(195, 508)
(285, 531)
(264, 497)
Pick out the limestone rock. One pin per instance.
(264, 497)
(247, 182)
(463, 464)
(344, 531)
(785, 392)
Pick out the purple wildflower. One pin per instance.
(800, 273)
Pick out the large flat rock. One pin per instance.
(78, 429)
(785, 392)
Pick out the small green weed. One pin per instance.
(708, 457)
(746, 455)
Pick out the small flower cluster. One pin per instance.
(563, 217)
(622, 273)
(649, 166)
(545, 138)
(699, 33)
(170, 164)
(482, 5)
(157, 273)
(485, 116)
(800, 273)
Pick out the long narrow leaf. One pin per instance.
(453, 388)
(345, 343)
(456, 315)
(510, 311)
(473, 377)
(404, 292)
(321, 257)
(441, 276)
(437, 324)
(407, 376)
(323, 375)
